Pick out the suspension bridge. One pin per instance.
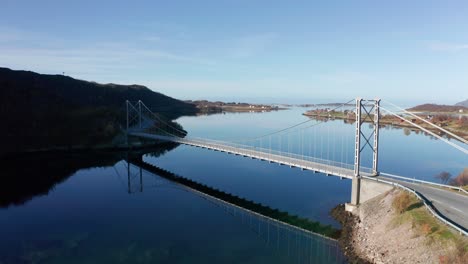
(327, 155)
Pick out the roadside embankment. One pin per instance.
(395, 227)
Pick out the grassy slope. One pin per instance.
(412, 210)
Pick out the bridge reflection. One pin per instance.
(301, 246)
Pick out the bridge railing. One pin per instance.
(294, 159)
(271, 153)
(457, 188)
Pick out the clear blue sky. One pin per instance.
(279, 51)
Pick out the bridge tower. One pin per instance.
(366, 110)
(134, 118)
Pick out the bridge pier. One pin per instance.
(355, 190)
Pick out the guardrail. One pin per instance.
(424, 182)
(433, 211)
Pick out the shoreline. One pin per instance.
(209, 107)
(346, 241)
(383, 123)
(83, 149)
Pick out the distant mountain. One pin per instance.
(464, 103)
(42, 111)
(436, 108)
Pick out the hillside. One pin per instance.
(463, 103)
(44, 111)
(436, 108)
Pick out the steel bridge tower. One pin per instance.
(366, 110)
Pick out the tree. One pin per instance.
(406, 131)
(463, 122)
(441, 118)
(444, 177)
(461, 179)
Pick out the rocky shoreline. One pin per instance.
(346, 240)
(377, 233)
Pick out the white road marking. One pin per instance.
(435, 188)
(456, 209)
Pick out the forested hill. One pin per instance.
(43, 111)
(436, 108)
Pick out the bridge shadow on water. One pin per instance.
(29, 176)
(302, 240)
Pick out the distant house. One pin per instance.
(429, 117)
(460, 111)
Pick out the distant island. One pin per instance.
(326, 104)
(207, 107)
(453, 118)
(44, 112)
(435, 108)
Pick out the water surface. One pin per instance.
(91, 208)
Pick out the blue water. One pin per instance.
(100, 213)
(404, 152)
(107, 215)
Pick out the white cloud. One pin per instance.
(218, 88)
(248, 46)
(9, 36)
(152, 38)
(346, 77)
(48, 54)
(444, 46)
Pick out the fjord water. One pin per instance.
(96, 209)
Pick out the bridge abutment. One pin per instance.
(364, 190)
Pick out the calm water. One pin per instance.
(96, 209)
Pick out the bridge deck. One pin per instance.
(293, 160)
